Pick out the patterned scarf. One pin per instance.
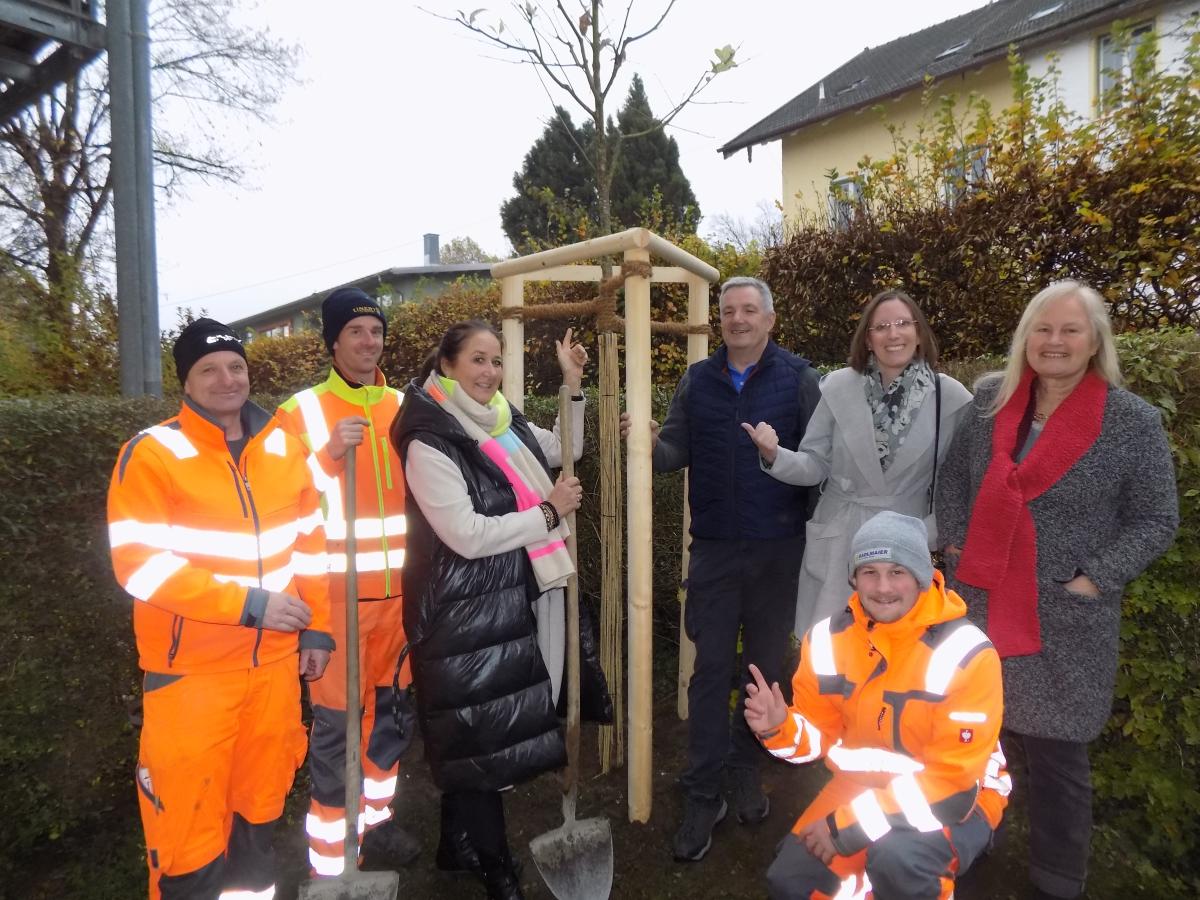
(1000, 553)
(893, 410)
(491, 427)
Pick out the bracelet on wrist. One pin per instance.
(550, 514)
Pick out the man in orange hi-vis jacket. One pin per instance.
(217, 532)
(902, 696)
(354, 407)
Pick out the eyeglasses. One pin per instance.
(898, 324)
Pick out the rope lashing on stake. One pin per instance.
(604, 307)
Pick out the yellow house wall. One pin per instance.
(839, 143)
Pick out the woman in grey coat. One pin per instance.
(1058, 490)
(871, 440)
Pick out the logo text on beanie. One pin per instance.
(866, 556)
(368, 310)
(220, 339)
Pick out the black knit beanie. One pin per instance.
(343, 305)
(200, 338)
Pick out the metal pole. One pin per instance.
(133, 196)
(129, 307)
(143, 136)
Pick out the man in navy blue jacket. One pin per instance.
(747, 543)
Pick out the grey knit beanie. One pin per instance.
(891, 537)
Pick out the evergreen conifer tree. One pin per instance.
(648, 160)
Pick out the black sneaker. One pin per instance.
(749, 801)
(388, 847)
(694, 836)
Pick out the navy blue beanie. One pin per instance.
(343, 305)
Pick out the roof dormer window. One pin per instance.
(1042, 13)
(853, 86)
(950, 51)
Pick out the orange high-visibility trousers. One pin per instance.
(381, 639)
(217, 757)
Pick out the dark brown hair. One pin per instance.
(860, 353)
(451, 345)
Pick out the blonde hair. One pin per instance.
(1104, 361)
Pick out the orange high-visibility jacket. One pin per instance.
(379, 489)
(907, 716)
(200, 540)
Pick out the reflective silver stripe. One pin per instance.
(314, 419)
(873, 759)
(373, 816)
(310, 523)
(803, 729)
(949, 655)
(276, 580)
(977, 717)
(994, 776)
(326, 866)
(368, 562)
(320, 479)
(913, 803)
(173, 440)
(870, 815)
(821, 643)
(364, 529)
(276, 443)
(854, 887)
(310, 563)
(151, 575)
(379, 789)
(264, 894)
(330, 832)
(237, 545)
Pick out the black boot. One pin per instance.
(502, 878)
(456, 854)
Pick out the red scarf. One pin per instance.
(1000, 553)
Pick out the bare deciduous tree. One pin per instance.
(55, 179)
(580, 51)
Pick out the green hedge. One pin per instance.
(70, 682)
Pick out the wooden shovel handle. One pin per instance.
(566, 437)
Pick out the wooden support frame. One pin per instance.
(637, 245)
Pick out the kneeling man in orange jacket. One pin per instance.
(902, 696)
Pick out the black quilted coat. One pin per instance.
(483, 693)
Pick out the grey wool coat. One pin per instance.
(1111, 515)
(838, 450)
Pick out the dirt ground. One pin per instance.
(644, 868)
(108, 863)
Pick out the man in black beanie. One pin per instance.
(354, 407)
(230, 601)
(343, 305)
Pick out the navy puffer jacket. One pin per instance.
(483, 692)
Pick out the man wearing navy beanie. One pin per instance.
(353, 408)
(343, 305)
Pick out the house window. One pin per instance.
(1114, 58)
(965, 174)
(844, 196)
(283, 329)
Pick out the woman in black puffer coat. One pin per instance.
(483, 543)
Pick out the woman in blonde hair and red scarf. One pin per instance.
(485, 551)
(1058, 490)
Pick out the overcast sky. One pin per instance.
(404, 124)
